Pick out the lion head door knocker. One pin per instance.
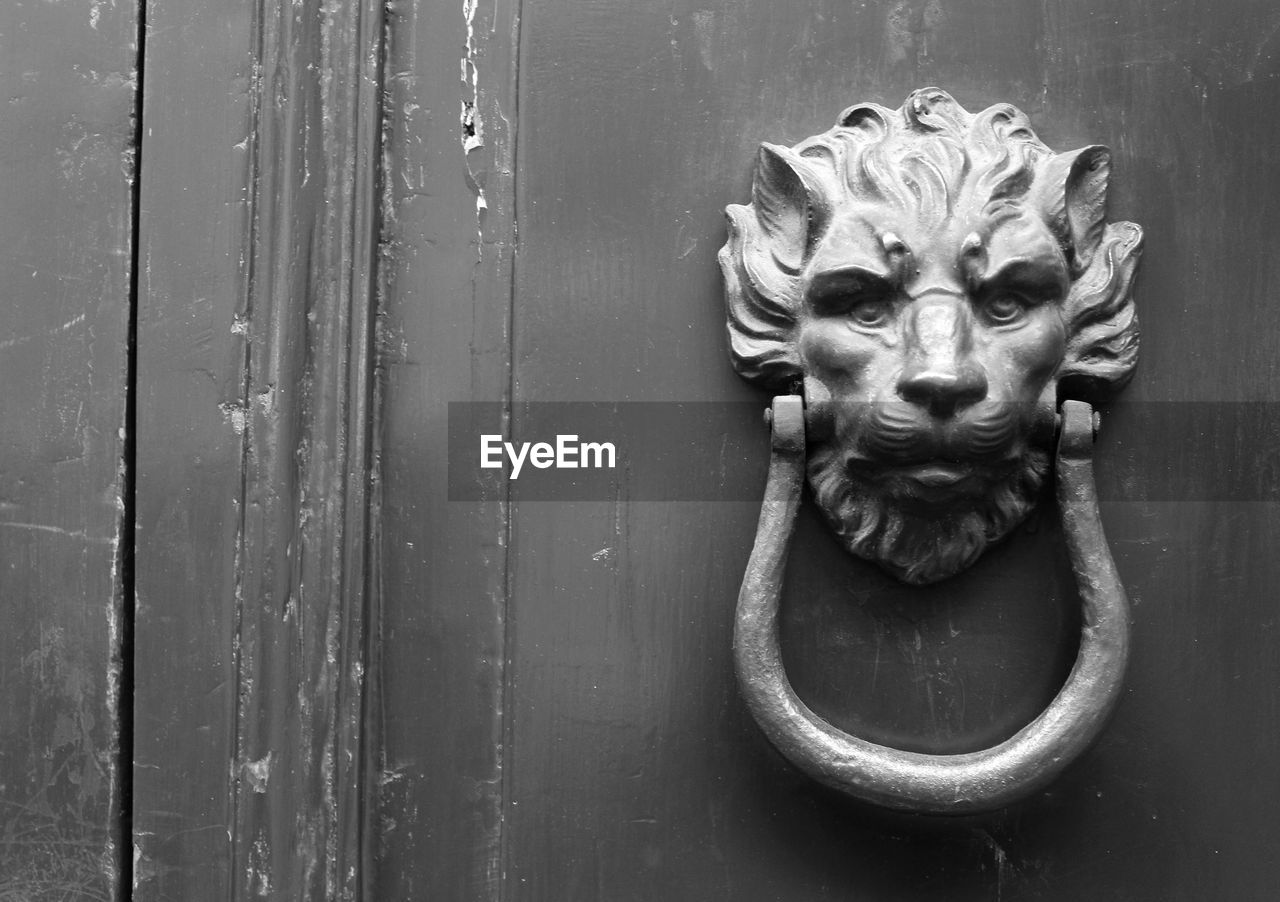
(935, 281)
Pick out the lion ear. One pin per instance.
(788, 203)
(1074, 195)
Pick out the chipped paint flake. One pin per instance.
(258, 773)
(236, 416)
(472, 124)
(470, 119)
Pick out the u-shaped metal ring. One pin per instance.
(911, 781)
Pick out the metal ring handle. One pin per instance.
(911, 781)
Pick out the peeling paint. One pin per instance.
(267, 400)
(235, 414)
(259, 868)
(95, 13)
(472, 124)
(258, 773)
(471, 120)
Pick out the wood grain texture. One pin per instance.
(68, 78)
(255, 539)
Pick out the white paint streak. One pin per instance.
(22, 339)
(704, 30)
(58, 530)
(137, 867)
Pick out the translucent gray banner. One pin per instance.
(718, 451)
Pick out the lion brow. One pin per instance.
(850, 275)
(1036, 276)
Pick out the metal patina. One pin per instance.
(947, 293)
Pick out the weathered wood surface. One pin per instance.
(621, 758)
(255, 456)
(67, 76)
(556, 717)
(449, 245)
(197, 117)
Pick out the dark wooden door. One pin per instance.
(561, 717)
(239, 556)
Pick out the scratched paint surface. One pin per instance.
(257, 229)
(66, 159)
(621, 762)
(196, 110)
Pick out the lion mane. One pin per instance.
(931, 157)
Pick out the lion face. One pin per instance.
(937, 279)
(939, 354)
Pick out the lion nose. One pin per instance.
(943, 391)
(940, 373)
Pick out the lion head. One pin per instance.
(940, 280)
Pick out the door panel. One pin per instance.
(624, 764)
(68, 78)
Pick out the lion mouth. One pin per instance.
(932, 481)
(938, 475)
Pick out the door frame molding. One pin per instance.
(307, 575)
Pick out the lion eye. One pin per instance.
(1004, 309)
(853, 292)
(871, 312)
